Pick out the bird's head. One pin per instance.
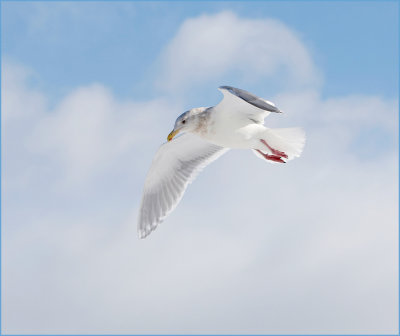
(187, 122)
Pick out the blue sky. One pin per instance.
(354, 42)
(89, 92)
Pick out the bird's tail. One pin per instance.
(286, 143)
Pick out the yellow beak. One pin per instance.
(172, 134)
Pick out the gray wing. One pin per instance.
(174, 166)
(252, 99)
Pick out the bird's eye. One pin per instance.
(183, 121)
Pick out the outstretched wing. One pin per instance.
(245, 104)
(175, 165)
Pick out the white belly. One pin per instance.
(234, 136)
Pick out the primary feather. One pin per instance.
(174, 166)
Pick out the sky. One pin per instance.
(90, 90)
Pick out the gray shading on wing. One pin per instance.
(243, 106)
(175, 165)
(252, 99)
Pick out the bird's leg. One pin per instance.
(275, 152)
(274, 158)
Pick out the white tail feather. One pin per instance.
(288, 140)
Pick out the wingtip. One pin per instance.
(275, 110)
(141, 234)
(224, 87)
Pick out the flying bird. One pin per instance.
(206, 133)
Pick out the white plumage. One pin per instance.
(236, 122)
(174, 166)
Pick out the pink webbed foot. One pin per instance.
(275, 158)
(275, 152)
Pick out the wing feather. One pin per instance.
(245, 105)
(175, 165)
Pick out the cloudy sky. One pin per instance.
(89, 92)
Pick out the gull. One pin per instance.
(237, 122)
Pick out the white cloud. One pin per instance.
(18, 98)
(309, 247)
(37, 17)
(210, 47)
(89, 129)
(348, 128)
